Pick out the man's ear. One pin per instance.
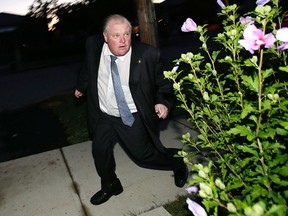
(105, 37)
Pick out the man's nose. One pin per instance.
(122, 39)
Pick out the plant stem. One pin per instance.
(214, 68)
(260, 112)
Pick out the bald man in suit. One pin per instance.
(147, 94)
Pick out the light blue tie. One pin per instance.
(125, 113)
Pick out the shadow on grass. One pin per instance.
(71, 113)
(178, 207)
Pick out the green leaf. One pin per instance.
(280, 159)
(215, 54)
(239, 204)
(267, 73)
(278, 198)
(258, 191)
(283, 171)
(214, 97)
(247, 109)
(284, 124)
(251, 62)
(252, 84)
(224, 196)
(286, 194)
(253, 118)
(269, 132)
(276, 210)
(281, 131)
(208, 67)
(266, 181)
(277, 180)
(242, 131)
(248, 150)
(244, 162)
(285, 69)
(275, 146)
(234, 185)
(266, 104)
(201, 137)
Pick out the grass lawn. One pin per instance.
(178, 207)
(71, 113)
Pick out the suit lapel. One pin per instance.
(135, 66)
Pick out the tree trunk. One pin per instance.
(147, 22)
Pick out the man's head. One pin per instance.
(117, 34)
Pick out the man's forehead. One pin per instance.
(119, 29)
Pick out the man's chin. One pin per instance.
(122, 52)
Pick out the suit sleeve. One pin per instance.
(82, 81)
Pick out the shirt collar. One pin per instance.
(107, 52)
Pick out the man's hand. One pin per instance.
(161, 111)
(78, 94)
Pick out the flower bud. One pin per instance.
(204, 46)
(205, 190)
(258, 209)
(206, 96)
(176, 86)
(220, 184)
(231, 208)
(202, 174)
(248, 211)
(186, 160)
(276, 96)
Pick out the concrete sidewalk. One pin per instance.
(60, 182)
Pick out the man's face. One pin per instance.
(118, 37)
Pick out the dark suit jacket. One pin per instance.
(147, 84)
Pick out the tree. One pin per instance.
(147, 22)
(43, 10)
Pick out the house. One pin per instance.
(9, 24)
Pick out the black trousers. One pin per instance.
(136, 143)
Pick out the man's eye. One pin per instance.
(115, 36)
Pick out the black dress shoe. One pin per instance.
(181, 175)
(103, 196)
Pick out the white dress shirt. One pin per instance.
(106, 94)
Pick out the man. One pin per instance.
(146, 94)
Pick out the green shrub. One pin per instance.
(237, 99)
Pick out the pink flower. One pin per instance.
(220, 3)
(254, 38)
(282, 35)
(246, 20)
(192, 189)
(195, 208)
(262, 2)
(189, 25)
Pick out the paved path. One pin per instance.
(60, 182)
